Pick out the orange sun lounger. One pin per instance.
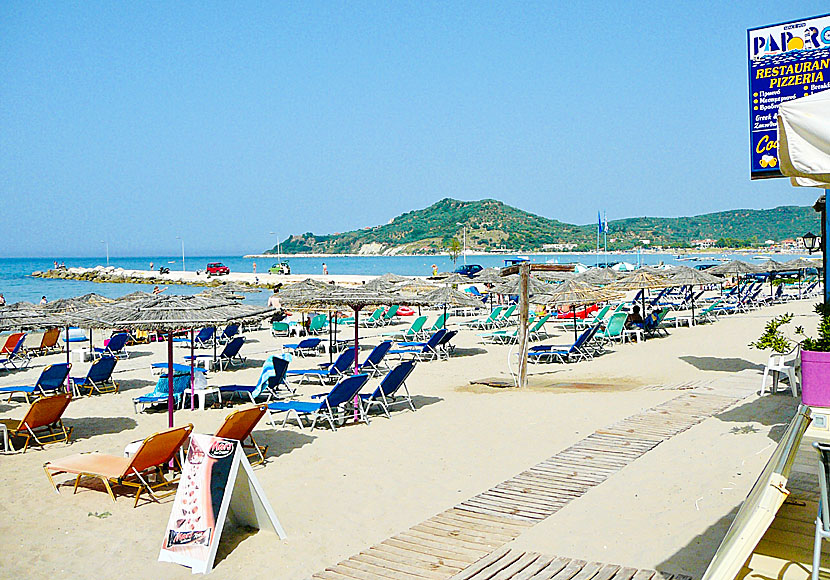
(42, 423)
(239, 425)
(157, 450)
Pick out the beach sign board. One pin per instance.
(786, 61)
(217, 485)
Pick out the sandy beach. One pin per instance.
(337, 493)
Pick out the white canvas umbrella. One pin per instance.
(804, 150)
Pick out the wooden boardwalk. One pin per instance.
(467, 541)
(515, 564)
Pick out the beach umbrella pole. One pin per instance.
(192, 365)
(573, 313)
(331, 342)
(356, 397)
(170, 378)
(68, 388)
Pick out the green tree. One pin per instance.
(453, 246)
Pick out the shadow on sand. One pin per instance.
(712, 363)
(282, 441)
(87, 427)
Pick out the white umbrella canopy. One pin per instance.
(804, 138)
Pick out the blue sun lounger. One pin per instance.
(181, 382)
(98, 378)
(373, 362)
(344, 392)
(52, 379)
(116, 347)
(326, 372)
(425, 350)
(270, 379)
(385, 395)
(307, 346)
(203, 338)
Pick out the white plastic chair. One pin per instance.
(782, 364)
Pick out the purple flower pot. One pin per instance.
(815, 378)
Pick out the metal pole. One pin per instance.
(192, 371)
(825, 226)
(465, 245)
(170, 378)
(524, 272)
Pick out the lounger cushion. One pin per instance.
(109, 466)
(299, 406)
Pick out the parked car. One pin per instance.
(280, 268)
(217, 269)
(468, 270)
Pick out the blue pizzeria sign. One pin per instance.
(786, 61)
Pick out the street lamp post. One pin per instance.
(465, 240)
(182, 240)
(277, 238)
(107, 245)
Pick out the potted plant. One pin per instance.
(815, 361)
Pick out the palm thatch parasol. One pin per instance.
(489, 276)
(168, 313)
(534, 287)
(685, 276)
(455, 279)
(575, 293)
(27, 316)
(736, 267)
(642, 280)
(598, 276)
(385, 282)
(449, 295)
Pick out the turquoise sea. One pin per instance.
(17, 284)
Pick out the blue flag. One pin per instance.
(600, 225)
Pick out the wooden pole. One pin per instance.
(524, 272)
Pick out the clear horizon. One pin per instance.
(137, 124)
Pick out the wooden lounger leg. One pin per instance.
(49, 475)
(109, 489)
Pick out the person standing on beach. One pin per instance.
(434, 270)
(151, 266)
(254, 267)
(2, 300)
(325, 269)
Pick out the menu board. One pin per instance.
(786, 61)
(216, 484)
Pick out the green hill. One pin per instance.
(493, 225)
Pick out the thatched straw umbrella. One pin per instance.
(685, 276)
(598, 276)
(385, 282)
(575, 293)
(449, 295)
(169, 313)
(641, 280)
(77, 304)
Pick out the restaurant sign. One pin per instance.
(786, 61)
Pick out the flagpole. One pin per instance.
(605, 234)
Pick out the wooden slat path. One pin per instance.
(467, 541)
(507, 564)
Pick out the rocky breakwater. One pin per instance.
(113, 275)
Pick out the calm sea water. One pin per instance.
(16, 282)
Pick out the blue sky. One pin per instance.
(222, 122)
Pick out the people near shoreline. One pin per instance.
(635, 319)
(254, 267)
(325, 269)
(157, 290)
(434, 270)
(274, 302)
(43, 300)
(2, 300)
(151, 266)
(56, 264)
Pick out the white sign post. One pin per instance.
(217, 484)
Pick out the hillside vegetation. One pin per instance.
(493, 225)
